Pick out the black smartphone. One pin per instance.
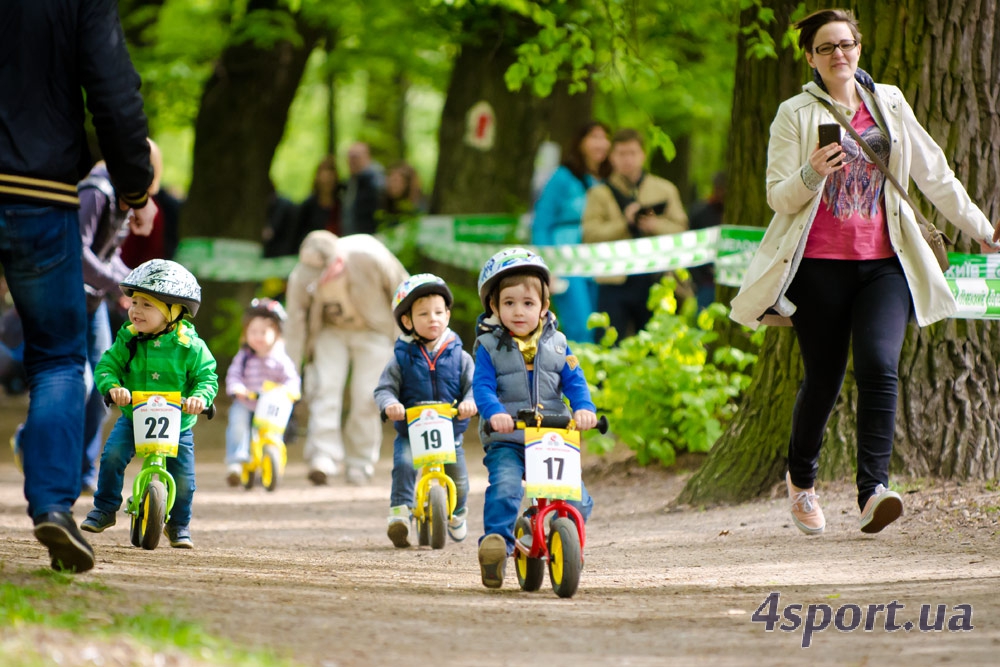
(829, 133)
(652, 209)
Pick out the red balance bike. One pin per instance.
(552, 478)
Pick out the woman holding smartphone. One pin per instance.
(843, 260)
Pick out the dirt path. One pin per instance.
(309, 572)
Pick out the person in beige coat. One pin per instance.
(631, 204)
(340, 324)
(843, 260)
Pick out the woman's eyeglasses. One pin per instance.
(845, 47)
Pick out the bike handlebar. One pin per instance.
(209, 410)
(550, 421)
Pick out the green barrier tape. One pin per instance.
(468, 241)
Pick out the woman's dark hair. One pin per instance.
(574, 160)
(328, 162)
(811, 24)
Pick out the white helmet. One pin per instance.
(412, 289)
(165, 280)
(504, 262)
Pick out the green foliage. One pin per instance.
(665, 390)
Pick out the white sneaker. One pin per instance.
(399, 526)
(456, 525)
(234, 474)
(883, 507)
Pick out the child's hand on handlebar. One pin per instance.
(466, 409)
(121, 396)
(194, 405)
(395, 412)
(502, 423)
(585, 420)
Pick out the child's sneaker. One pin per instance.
(457, 527)
(179, 536)
(97, 521)
(883, 507)
(806, 512)
(234, 474)
(493, 560)
(399, 526)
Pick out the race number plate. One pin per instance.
(274, 407)
(552, 463)
(156, 422)
(432, 439)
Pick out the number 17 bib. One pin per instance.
(552, 464)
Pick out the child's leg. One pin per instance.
(404, 477)
(238, 433)
(181, 468)
(585, 504)
(459, 474)
(118, 451)
(505, 463)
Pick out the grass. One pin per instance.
(64, 612)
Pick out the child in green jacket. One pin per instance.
(157, 351)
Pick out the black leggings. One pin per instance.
(867, 304)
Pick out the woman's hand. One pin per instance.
(121, 396)
(988, 246)
(466, 409)
(502, 423)
(821, 161)
(395, 412)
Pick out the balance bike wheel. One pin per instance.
(424, 529)
(270, 468)
(248, 476)
(152, 514)
(565, 562)
(530, 571)
(135, 524)
(439, 517)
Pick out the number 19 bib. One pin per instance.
(432, 439)
(156, 422)
(552, 464)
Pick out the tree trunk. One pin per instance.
(497, 178)
(941, 54)
(240, 122)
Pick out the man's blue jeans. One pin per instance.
(41, 253)
(98, 342)
(119, 451)
(505, 463)
(404, 477)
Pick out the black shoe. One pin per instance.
(68, 549)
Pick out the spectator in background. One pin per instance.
(705, 215)
(50, 54)
(631, 204)
(404, 197)
(364, 193)
(162, 241)
(280, 224)
(558, 216)
(322, 208)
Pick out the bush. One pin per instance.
(658, 388)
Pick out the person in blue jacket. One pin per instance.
(558, 215)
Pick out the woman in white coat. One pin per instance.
(843, 260)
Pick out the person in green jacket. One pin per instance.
(156, 350)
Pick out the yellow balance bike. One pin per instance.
(432, 444)
(268, 455)
(156, 423)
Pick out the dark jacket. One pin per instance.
(49, 50)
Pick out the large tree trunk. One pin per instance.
(940, 54)
(240, 122)
(496, 179)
